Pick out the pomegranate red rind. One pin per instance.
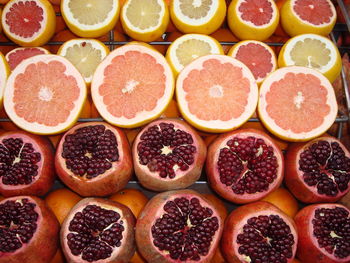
(42, 245)
(115, 174)
(268, 234)
(326, 173)
(27, 164)
(107, 228)
(243, 175)
(172, 160)
(180, 210)
(334, 239)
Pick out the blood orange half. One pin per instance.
(17, 55)
(44, 94)
(132, 85)
(297, 103)
(29, 22)
(216, 93)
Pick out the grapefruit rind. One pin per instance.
(4, 73)
(90, 31)
(20, 49)
(330, 71)
(246, 30)
(288, 135)
(47, 28)
(141, 117)
(216, 126)
(35, 127)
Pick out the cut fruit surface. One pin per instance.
(85, 55)
(216, 93)
(29, 22)
(17, 55)
(308, 16)
(188, 47)
(4, 73)
(257, 56)
(312, 51)
(253, 19)
(44, 94)
(193, 16)
(90, 18)
(145, 20)
(297, 103)
(132, 86)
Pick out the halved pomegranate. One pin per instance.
(178, 226)
(94, 159)
(28, 231)
(244, 165)
(324, 233)
(318, 171)
(98, 230)
(26, 164)
(168, 154)
(259, 232)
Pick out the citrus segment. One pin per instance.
(145, 20)
(133, 85)
(187, 48)
(297, 103)
(253, 19)
(4, 73)
(216, 93)
(17, 55)
(198, 16)
(90, 18)
(257, 56)
(44, 94)
(312, 51)
(29, 22)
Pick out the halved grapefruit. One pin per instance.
(4, 73)
(29, 22)
(132, 86)
(257, 56)
(17, 55)
(297, 103)
(308, 16)
(44, 94)
(253, 19)
(216, 93)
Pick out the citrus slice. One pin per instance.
(216, 93)
(145, 20)
(297, 103)
(132, 86)
(4, 73)
(308, 16)
(253, 19)
(29, 22)
(17, 55)
(312, 51)
(85, 55)
(44, 94)
(257, 56)
(90, 18)
(198, 16)
(187, 48)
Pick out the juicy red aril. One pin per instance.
(18, 162)
(325, 167)
(248, 165)
(17, 224)
(163, 149)
(331, 227)
(266, 239)
(95, 231)
(90, 151)
(185, 230)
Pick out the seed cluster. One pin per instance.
(185, 230)
(90, 151)
(248, 165)
(18, 222)
(94, 233)
(266, 239)
(163, 148)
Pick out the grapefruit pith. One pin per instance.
(4, 73)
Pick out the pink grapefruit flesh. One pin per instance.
(258, 12)
(316, 12)
(17, 55)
